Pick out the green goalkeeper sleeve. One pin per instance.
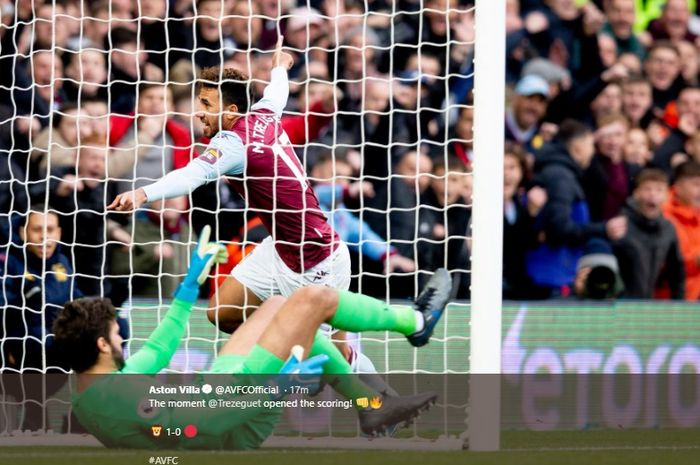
(163, 341)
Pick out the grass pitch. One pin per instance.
(600, 447)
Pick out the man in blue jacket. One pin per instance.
(565, 225)
(39, 281)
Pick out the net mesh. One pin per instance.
(101, 97)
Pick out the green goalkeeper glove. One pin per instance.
(204, 256)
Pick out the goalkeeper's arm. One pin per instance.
(164, 341)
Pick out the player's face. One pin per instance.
(209, 111)
(115, 342)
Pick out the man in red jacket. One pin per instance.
(140, 140)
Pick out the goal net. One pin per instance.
(100, 98)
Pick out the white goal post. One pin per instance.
(487, 225)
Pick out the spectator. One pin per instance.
(163, 34)
(245, 25)
(51, 30)
(608, 102)
(607, 49)
(332, 188)
(300, 39)
(462, 144)
(46, 70)
(637, 101)
(451, 219)
(565, 223)
(637, 150)
(98, 114)
(528, 108)
(96, 25)
(673, 23)
(689, 62)
(315, 96)
(608, 179)
(688, 122)
(620, 26)
(683, 210)
(70, 127)
(663, 68)
(211, 43)
(357, 59)
(39, 281)
(520, 210)
(149, 145)
(78, 194)
(153, 262)
(86, 71)
(13, 200)
(394, 213)
(397, 128)
(129, 66)
(649, 254)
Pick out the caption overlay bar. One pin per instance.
(232, 412)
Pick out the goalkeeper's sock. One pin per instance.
(262, 361)
(337, 372)
(357, 313)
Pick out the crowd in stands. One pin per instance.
(602, 155)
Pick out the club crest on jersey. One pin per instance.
(210, 156)
(60, 272)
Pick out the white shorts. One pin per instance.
(264, 272)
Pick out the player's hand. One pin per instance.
(281, 58)
(296, 366)
(204, 256)
(128, 201)
(298, 372)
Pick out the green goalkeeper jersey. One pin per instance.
(118, 410)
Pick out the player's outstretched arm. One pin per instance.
(165, 339)
(174, 184)
(277, 92)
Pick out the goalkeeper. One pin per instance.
(87, 332)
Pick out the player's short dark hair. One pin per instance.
(571, 129)
(78, 327)
(231, 83)
(689, 169)
(650, 175)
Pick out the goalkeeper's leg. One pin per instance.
(241, 348)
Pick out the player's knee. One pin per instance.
(320, 299)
